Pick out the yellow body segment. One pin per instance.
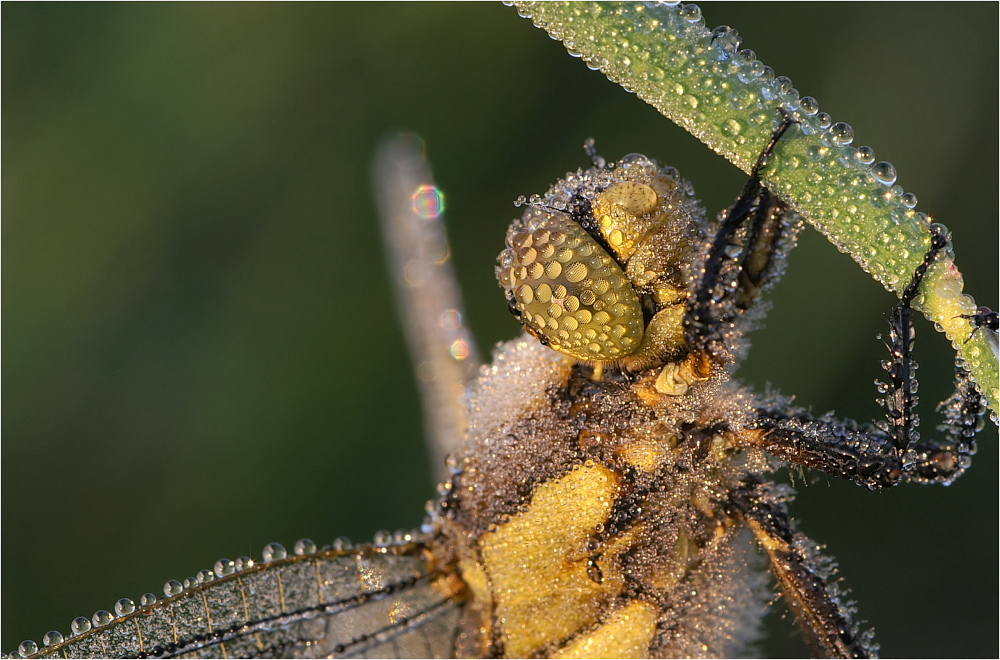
(647, 453)
(547, 544)
(627, 633)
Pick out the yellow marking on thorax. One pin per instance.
(627, 633)
(647, 454)
(537, 563)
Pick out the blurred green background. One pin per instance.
(200, 353)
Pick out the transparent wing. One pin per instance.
(366, 602)
(428, 295)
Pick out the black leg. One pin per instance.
(899, 400)
(773, 228)
(883, 456)
(715, 302)
(864, 455)
(868, 456)
(944, 461)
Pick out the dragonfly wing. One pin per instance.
(367, 602)
(427, 293)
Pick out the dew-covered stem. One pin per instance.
(703, 81)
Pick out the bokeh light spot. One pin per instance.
(451, 320)
(428, 202)
(459, 349)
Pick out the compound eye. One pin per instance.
(569, 290)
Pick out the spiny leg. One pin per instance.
(714, 302)
(876, 458)
(900, 400)
(944, 461)
(770, 230)
(866, 455)
(806, 581)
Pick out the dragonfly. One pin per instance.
(414, 513)
(604, 497)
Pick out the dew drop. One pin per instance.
(172, 588)
(731, 128)
(909, 200)
(726, 40)
(26, 648)
(101, 618)
(824, 120)
(884, 172)
(274, 552)
(690, 13)
(939, 228)
(342, 543)
(52, 637)
(190, 582)
(402, 537)
(383, 538)
(841, 133)
(304, 547)
(866, 155)
(224, 567)
(809, 105)
(205, 576)
(244, 563)
(758, 118)
(520, 201)
(147, 600)
(80, 625)
(124, 606)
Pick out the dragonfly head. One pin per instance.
(598, 268)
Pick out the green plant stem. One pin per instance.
(729, 100)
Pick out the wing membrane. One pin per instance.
(367, 602)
